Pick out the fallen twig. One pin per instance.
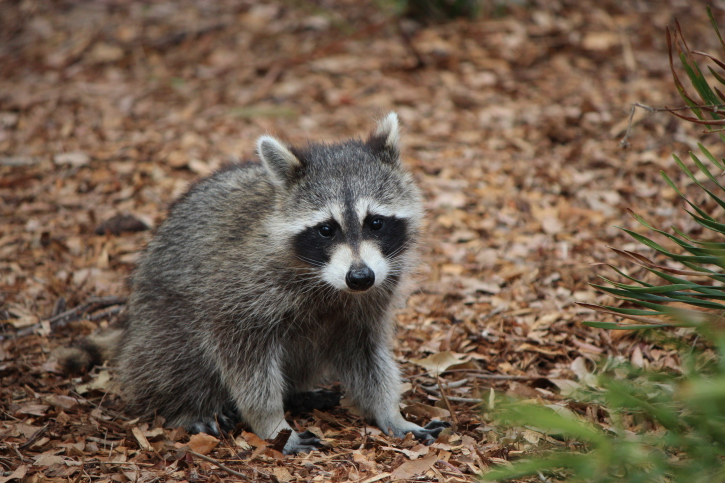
(15, 449)
(433, 391)
(503, 377)
(448, 404)
(94, 303)
(34, 437)
(471, 400)
(480, 375)
(217, 463)
(106, 313)
(451, 385)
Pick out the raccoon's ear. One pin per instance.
(385, 140)
(279, 161)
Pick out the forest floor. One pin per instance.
(512, 123)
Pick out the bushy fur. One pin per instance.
(229, 316)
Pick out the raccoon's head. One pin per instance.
(349, 211)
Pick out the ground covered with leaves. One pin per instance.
(512, 126)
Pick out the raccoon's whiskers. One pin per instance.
(314, 263)
(401, 248)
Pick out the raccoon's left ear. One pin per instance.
(385, 140)
(281, 164)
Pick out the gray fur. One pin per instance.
(223, 314)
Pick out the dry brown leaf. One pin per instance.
(48, 459)
(32, 409)
(438, 363)
(144, 444)
(282, 473)
(18, 474)
(66, 403)
(102, 382)
(202, 443)
(75, 159)
(421, 410)
(375, 478)
(413, 468)
(254, 440)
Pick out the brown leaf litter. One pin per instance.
(109, 109)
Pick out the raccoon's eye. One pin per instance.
(326, 231)
(376, 224)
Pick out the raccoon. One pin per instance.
(269, 278)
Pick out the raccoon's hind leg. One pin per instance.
(305, 402)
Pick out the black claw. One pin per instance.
(302, 448)
(435, 424)
(307, 442)
(230, 412)
(225, 423)
(309, 438)
(431, 431)
(204, 427)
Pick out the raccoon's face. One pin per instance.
(357, 247)
(351, 211)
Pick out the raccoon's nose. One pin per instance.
(360, 279)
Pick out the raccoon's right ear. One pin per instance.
(281, 164)
(385, 140)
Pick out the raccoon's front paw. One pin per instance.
(222, 424)
(301, 443)
(430, 432)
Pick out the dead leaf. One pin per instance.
(254, 440)
(472, 285)
(415, 467)
(66, 403)
(438, 363)
(282, 473)
(103, 52)
(579, 367)
(600, 40)
(416, 451)
(75, 159)
(202, 443)
(22, 317)
(102, 382)
(362, 460)
(144, 444)
(567, 387)
(531, 436)
(375, 478)
(18, 474)
(420, 410)
(48, 459)
(33, 409)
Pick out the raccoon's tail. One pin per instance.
(91, 351)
